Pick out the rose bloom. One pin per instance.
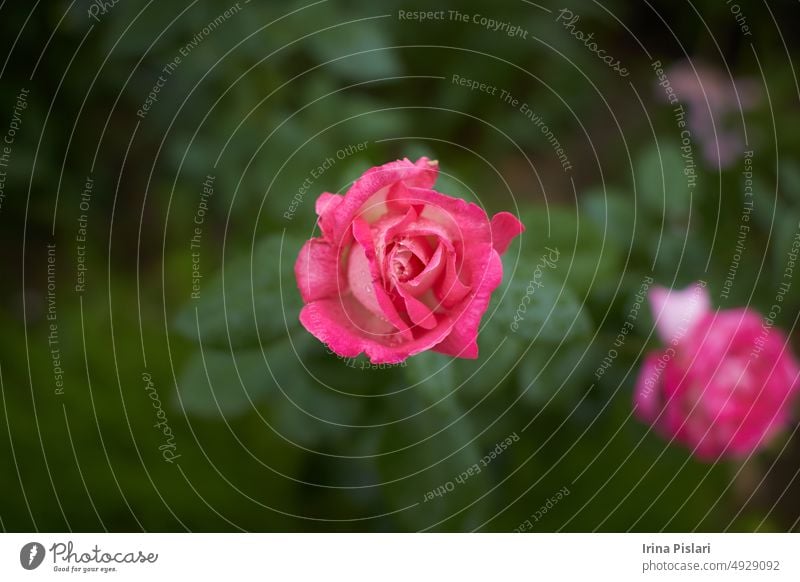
(401, 268)
(715, 102)
(725, 384)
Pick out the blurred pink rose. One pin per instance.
(400, 268)
(725, 384)
(715, 102)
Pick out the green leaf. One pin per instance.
(211, 386)
(430, 450)
(766, 208)
(296, 406)
(498, 354)
(311, 407)
(661, 185)
(312, 415)
(216, 381)
(432, 374)
(249, 305)
(554, 376)
(349, 39)
(584, 257)
(533, 304)
(613, 214)
(786, 229)
(790, 181)
(542, 308)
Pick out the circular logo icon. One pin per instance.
(31, 555)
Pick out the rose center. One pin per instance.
(733, 373)
(404, 264)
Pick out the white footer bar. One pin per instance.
(401, 557)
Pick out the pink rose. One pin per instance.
(712, 98)
(400, 268)
(726, 381)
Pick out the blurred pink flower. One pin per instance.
(714, 101)
(725, 384)
(400, 268)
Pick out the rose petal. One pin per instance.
(316, 270)
(384, 230)
(468, 228)
(647, 396)
(419, 246)
(359, 277)
(451, 290)
(325, 206)
(419, 313)
(349, 330)
(363, 236)
(676, 312)
(462, 220)
(422, 173)
(505, 228)
(462, 342)
(425, 280)
(406, 269)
